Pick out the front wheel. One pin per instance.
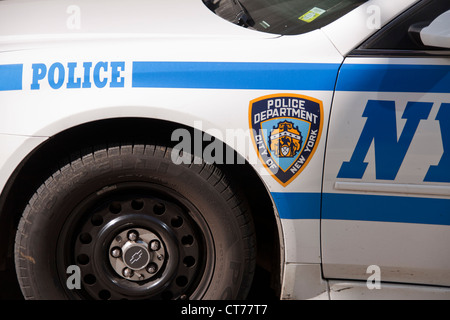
(134, 225)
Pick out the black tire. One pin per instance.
(88, 208)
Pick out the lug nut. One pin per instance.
(155, 245)
(133, 235)
(152, 268)
(116, 252)
(127, 272)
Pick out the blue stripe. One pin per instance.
(362, 208)
(394, 78)
(386, 208)
(11, 77)
(235, 75)
(293, 205)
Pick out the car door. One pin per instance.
(386, 191)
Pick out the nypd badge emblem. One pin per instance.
(285, 131)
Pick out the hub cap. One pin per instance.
(137, 241)
(137, 254)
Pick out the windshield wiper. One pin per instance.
(234, 9)
(243, 18)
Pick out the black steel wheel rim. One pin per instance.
(136, 240)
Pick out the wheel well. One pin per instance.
(66, 146)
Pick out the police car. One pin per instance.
(194, 149)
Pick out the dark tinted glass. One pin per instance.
(282, 16)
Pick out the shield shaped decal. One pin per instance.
(285, 131)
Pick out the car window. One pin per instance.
(282, 16)
(395, 36)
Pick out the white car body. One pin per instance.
(324, 254)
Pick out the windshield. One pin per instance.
(282, 16)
